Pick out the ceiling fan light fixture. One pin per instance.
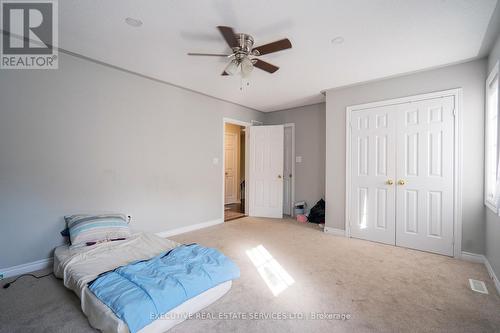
(232, 67)
(246, 67)
(242, 48)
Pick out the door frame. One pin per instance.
(292, 194)
(247, 156)
(457, 169)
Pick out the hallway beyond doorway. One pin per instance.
(234, 211)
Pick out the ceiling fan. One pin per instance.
(242, 49)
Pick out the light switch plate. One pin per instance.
(215, 161)
(298, 159)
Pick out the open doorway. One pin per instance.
(235, 169)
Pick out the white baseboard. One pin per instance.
(26, 268)
(473, 257)
(335, 231)
(492, 274)
(189, 228)
(479, 258)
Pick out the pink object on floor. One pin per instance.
(302, 218)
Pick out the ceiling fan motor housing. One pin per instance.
(244, 49)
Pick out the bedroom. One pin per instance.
(121, 125)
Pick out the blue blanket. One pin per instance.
(140, 292)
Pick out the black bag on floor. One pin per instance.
(317, 213)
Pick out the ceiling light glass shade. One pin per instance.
(246, 67)
(232, 68)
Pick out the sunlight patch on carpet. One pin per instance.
(276, 278)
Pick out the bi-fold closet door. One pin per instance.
(402, 174)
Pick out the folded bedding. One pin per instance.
(142, 291)
(78, 265)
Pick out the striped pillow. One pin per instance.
(94, 228)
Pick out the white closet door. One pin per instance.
(266, 171)
(425, 160)
(373, 154)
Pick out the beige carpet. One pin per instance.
(380, 288)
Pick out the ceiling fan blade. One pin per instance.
(279, 45)
(224, 73)
(208, 54)
(229, 35)
(265, 66)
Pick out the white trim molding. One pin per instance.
(182, 230)
(489, 198)
(457, 193)
(292, 192)
(492, 275)
(335, 231)
(27, 268)
(481, 259)
(473, 257)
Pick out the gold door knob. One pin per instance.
(389, 182)
(226, 173)
(401, 182)
(279, 176)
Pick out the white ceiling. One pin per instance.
(382, 38)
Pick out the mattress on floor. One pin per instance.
(77, 266)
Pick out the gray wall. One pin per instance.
(492, 220)
(471, 77)
(89, 138)
(310, 144)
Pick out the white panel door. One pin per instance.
(266, 171)
(287, 172)
(230, 168)
(425, 150)
(373, 169)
